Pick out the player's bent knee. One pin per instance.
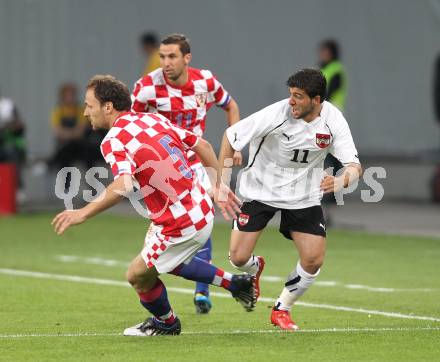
(140, 282)
(135, 279)
(312, 265)
(131, 277)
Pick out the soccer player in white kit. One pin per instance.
(288, 144)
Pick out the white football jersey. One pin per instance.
(286, 155)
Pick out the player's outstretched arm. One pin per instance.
(233, 116)
(351, 173)
(226, 154)
(226, 200)
(111, 196)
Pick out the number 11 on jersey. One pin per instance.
(304, 157)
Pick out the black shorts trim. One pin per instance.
(255, 215)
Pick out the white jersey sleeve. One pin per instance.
(256, 125)
(343, 147)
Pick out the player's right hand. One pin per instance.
(228, 203)
(67, 218)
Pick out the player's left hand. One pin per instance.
(228, 203)
(237, 158)
(331, 184)
(67, 218)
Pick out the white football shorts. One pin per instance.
(166, 253)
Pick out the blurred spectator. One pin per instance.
(75, 141)
(12, 142)
(334, 73)
(70, 126)
(150, 46)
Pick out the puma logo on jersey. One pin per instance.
(287, 136)
(235, 137)
(322, 225)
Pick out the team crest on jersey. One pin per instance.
(243, 219)
(201, 99)
(322, 140)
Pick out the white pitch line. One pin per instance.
(266, 278)
(386, 290)
(91, 260)
(79, 279)
(233, 332)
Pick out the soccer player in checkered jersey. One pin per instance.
(147, 149)
(184, 95)
(288, 144)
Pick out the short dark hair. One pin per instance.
(310, 80)
(332, 46)
(150, 38)
(108, 89)
(181, 40)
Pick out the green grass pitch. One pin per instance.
(377, 299)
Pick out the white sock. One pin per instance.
(297, 284)
(250, 267)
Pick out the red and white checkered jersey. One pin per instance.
(153, 151)
(184, 106)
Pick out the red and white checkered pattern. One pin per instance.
(184, 106)
(222, 279)
(154, 249)
(153, 151)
